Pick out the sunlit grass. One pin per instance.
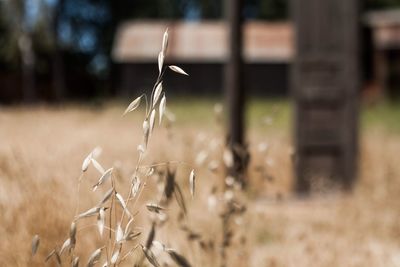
(383, 115)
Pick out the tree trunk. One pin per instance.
(28, 68)
(234, 91)
(58, 62)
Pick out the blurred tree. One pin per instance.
(273, 9)
(20, 28)
(379, 4)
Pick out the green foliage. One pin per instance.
(14, 23)
(273, 9)
(379, 4)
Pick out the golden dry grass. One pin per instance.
(41, 153)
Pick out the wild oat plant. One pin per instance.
(115, 213)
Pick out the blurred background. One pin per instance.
(56, 50)
(69, 68)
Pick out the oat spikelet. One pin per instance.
(97, 165)
(136, 186)
(160, 61)
(151, 235)
(49, 255)
(150, 256)
(119, 234)
(192, 180)
(101, 221)
(72, 234)
(146, 132)
(179, 259)
(106, 175)
(162, 108)
(131, 235)
(178, 70)
(114, 257)
(86, 162)
(66, 245)
(152, 120)
(165, 42)
(154, 207)
(133, 105)
(75, 262)
(179, 198)
(106, 197)
(228, 158)
(94, 258)
(121, 201)
(88, 213)
(157, 93)
(35, 244)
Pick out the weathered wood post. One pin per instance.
(234, 89)
(325, 85)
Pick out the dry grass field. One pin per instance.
(41, 154)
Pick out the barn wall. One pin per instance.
(205, 79)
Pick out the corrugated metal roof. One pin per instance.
(205, 41)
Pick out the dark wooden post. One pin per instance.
(234, 89)
(325, 83)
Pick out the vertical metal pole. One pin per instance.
(234, 89)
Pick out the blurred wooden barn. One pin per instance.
(201, 48)
(384, 34)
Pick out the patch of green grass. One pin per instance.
(199, 111)
(383, 115)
